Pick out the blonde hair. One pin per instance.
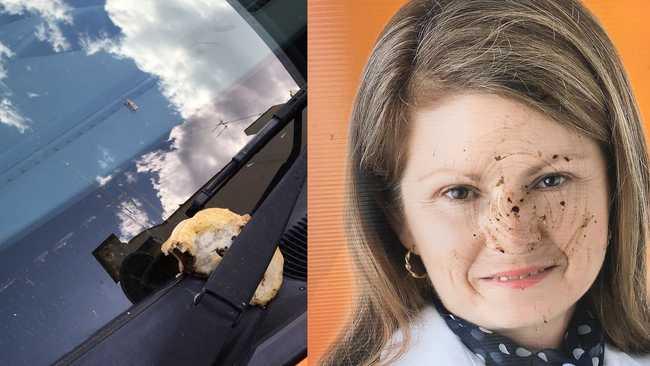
(552, 55)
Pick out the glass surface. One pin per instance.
(112, 114)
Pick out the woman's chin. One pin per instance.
(520, 302)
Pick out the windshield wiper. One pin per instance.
(278, 121)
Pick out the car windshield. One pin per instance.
(112, 114)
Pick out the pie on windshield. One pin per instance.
(200, 242)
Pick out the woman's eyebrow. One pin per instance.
(450, 171)
(559, 159)
(563, 159)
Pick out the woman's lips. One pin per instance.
(520, 278)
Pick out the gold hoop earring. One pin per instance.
(407, 265)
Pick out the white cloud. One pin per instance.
(48, 9)
(103, 180)
(5, 53)
(53, 12)
(106, 160)
(133, 219)
(52, 34)
(101, 43)
(9, 115)
(196, 47)
(130, 177)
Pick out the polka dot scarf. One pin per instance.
(583, 342)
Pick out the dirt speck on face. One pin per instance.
(498, 157)
(585, 223)
(539, 153)
(543, 217)
(509, 200)
(501, 181)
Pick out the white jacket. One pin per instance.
(433, 343)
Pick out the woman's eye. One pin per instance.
(551, 181)
(458, 193)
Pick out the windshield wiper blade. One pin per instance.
(279, 120)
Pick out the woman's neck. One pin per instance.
(548, 334)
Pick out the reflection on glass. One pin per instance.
(112, 114)
(112, 81)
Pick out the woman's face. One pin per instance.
(494, 190)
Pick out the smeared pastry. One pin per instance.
(200, 242)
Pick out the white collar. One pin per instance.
(433, 342)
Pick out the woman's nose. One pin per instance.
(510, 223)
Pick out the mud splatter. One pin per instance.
(63, 241)
(585, 223)
(41, 257)
(7, 284)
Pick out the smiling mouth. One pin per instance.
(520, 274)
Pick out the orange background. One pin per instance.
(340, 36)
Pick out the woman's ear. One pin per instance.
(401, 229)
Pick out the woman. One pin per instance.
(499, 192)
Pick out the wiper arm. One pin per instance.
(280, 119)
